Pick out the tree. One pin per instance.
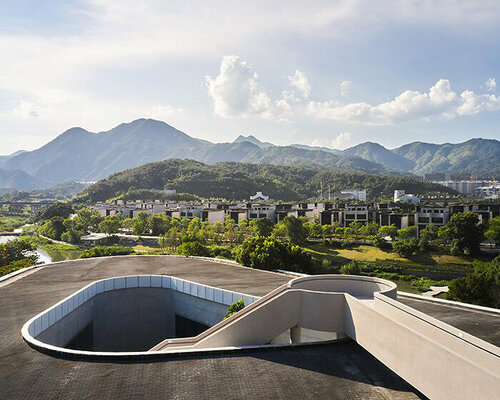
(314, 229)
(57, 209)
(388, 230)
(88, 220)
(481, 287)
(408, 233)
(262, 227)
(110, 224)
(170, 238)
(270, 253)
(194, 225)
(429, 233)
(463, 232)
(381, 243)
(17, 250)
(71, 236)
(159, 224)
(492, 232)
(326, 231)
(193, 249)
(128, 223)
(141, 224)
(406, 247)
(53, 228)
(293, 228)
(370, 229)
(356, 227)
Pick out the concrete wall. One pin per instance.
(62, 331)
(132, 319)
(200, 310)
(131, 313)
(429, 354)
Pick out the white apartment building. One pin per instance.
(490, 192)
(359, 213)
(354, 194)
(258, 211)
(401, 196)
(464, 187)
(427, 215)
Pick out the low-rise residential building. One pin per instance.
(258, 211)
(324, 212)
(430, 215)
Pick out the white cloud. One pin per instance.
(341, 141)
(345, 88)
(491, 84)
(164, 112)
(26, 109)
(236, 92)
(300, 82)
(440, 101)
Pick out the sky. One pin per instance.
(324, 73)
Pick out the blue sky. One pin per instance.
(333, 73)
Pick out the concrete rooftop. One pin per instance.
(340, 370)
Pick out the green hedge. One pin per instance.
(103, 251)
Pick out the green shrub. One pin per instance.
(406, 247)
(193, 249)
(71, 236)
(351, 268)
(481, 287)
(16, 265)
(104, 251)
(220, 252)
(270, 253)
(234, 308)
(347, 244)
(335, 244)
(379, 242)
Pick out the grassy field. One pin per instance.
(413, 275)
(8, 224)
(372, 253)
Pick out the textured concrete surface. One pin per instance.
(335, 371)
(482, 324)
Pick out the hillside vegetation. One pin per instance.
(233, 180)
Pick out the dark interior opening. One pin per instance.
(185, 327)
(83, 340)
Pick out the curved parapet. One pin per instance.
(355, 285)
(125, 316)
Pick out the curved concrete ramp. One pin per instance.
(439, 360)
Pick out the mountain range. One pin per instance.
(16, 179)
(80, 155)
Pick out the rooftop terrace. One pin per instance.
(339, 370)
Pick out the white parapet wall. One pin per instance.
(110, 303)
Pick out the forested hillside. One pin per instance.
(233, 180)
